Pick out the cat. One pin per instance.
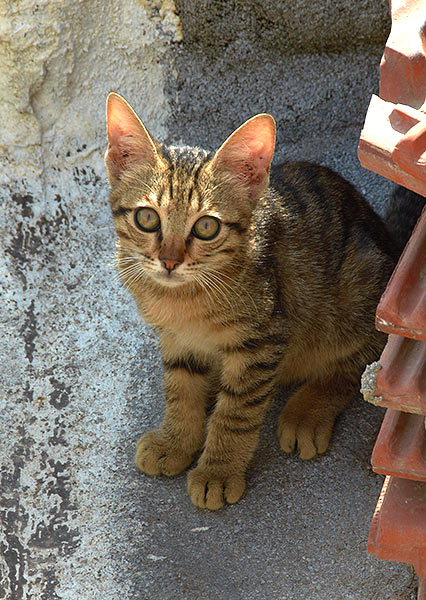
(252, 276)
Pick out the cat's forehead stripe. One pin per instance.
(180, 187)
(161, 194)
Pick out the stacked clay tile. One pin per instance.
(398, 530)
(393, 143)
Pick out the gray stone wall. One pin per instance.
(81, 375)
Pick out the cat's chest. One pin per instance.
(195, 325)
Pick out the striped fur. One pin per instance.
(285, 292)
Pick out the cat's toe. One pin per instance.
(323, 433)
(287, 436)
(306, 442)
(310, 439)
(212, 490)
(155, 456)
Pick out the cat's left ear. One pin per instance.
(248, 152)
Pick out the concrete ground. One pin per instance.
(81, 373)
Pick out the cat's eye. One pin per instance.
(206, 228)
(147, 219)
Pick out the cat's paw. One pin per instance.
(209, 489)
(305, 434)
(306, 421)
(156, 455)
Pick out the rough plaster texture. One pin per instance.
(59, 61)
(81, 375)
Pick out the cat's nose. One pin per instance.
(172, 253)
(170, 264)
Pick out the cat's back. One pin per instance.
(331, 253)
(332, 257)
(327, 213)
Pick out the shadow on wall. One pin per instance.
(311, 65)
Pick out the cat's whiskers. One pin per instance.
(107, 264)
(124, 271)
(125, 275)
(218, 276)
(132, 260)
(199, 281)
(208, 289)
(225, 291)
(120, 272)
(135, 275)
(119, 266)
(214, 286)
(233, 287)
(126, 258)
(131, 273)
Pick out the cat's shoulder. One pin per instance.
(303, 186)
(304, 172)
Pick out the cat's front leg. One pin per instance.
(170, 449)
(248, 381)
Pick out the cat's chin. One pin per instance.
(169, 280)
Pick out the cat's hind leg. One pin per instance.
(306, 422)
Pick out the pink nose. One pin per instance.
(170, 264)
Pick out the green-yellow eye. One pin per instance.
(147, 219)
(206, 228)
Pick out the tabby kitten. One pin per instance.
(248, 286)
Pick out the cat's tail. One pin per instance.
(402, 213)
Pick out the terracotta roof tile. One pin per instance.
(400, 448)
(402, 308)
(398, 529)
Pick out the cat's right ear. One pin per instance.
(128, 140)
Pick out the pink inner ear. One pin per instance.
(258, 160)
(248, 152)
(129, 141)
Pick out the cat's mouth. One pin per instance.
(169, 279)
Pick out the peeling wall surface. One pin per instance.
(81, 373)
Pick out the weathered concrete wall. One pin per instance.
(80, 376)
(59, 61)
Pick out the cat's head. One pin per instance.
(181, 214)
